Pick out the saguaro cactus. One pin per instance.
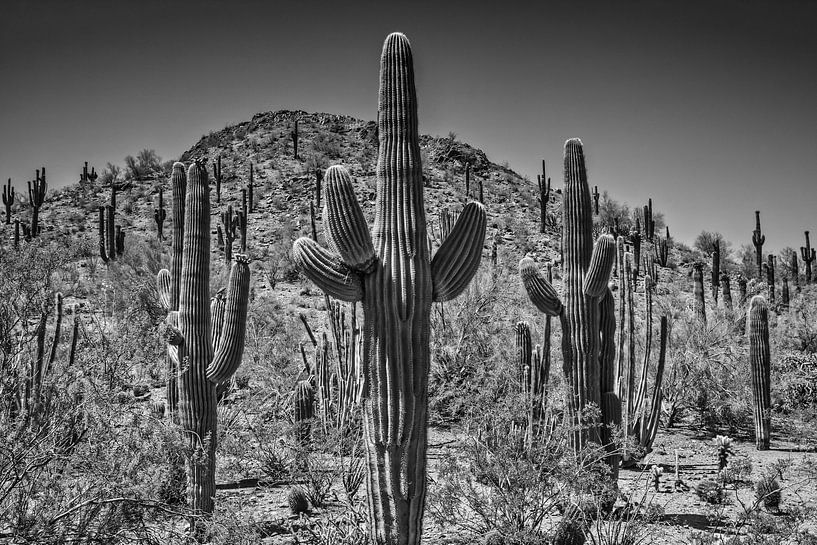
(544, 198)
(587, 314)
(807, 254)
(294, 136)
(596, 200)
(8, 200)
(727, 291)
(716, 269)
(396, 279)
(698, 290)
(318, 181)
(769, 269)
(159, 215)
(758, 238)
(229, 221)
(784, 293)
(86, 176)
(795, 271)
(206, 341)
(467, 180)
(742, 290)
(251, 190)
(217, 176)
(649, 222)
(760, 362)
(36, 196)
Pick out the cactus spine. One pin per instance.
(36, 196)
(159, 215)
(758, 238)
(698, 291)
(587, 315)
(807, 254)
(396, 280)
(8, 200)
(760, 359)
(204, 360)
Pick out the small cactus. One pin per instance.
(655, 472)
(710, 491)
(544, 197)
(298, 500)
(724, 446)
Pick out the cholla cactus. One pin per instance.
(724, 445)
(655, 472)
(394, 276)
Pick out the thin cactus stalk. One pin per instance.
(120, 241)
(742, 282)
(795, 272)
(36, 197)
(16, 234)
(635, 239)
(587, 313)
(467, 181)
(159, 215)
(596, 200)
(178, 185)
(698, 291)
(204, 360)
(318, 191)
(304, 404)
(533, 379)
(243, 216)
(481, 193)
(8, 200)
(395, 278)
(229, 222)
(251, 190)
(544, 197)
(649, 222)
(758, 238)
(784, 293)
(727, 291)
(769, 269)
(716, 269)
(647, 424)
(807, 253)
(217, 176)
(760, 362)
(294, 136)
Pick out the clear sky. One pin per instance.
(709, 107)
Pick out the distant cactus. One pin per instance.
(87, 177)
(217, 176)
(8, 200)
(544, 197)
(716, 269)
(397, 280)
(662, 250)
(534, 370)
(159, 215)
(318, 180)
(467, 181)
(44, 358)
(588, 325)
(251, 191)
(649, 222)
(481, 193)
(596, 200)
(742, 282)
(635, 240)
(795, 271)
(16, 234)
(229, 222)
(203, 359)
(698, 291)
(727, 291)
(758, 238)
(784, 293)
(769, 270)
(294, 136)
(36, 197)
(807, 254)
(243, 217)
(760, 362)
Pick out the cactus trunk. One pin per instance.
(759, 359)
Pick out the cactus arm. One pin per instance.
(601, 265)
(540, 291)
(610, 400)
(327, 271)
(217, 307)
(230, 347)
(457, 260)
(178, 183)
(348, 232)
(163, 288)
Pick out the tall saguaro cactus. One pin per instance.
(159, 215)
(395, 278)
(205, 340)
(698, 291)
(759, 359)
(8, 200)
(807, 254)
(758, 238)
(587, 314)
(36, 197)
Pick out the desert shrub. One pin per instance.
(795, 384)
(797, 328)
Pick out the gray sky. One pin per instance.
(691, 103)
